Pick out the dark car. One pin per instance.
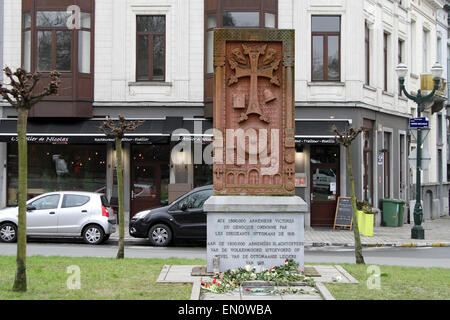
(183, 219)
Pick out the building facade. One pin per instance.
(429, 21)
(152, 60)
(2, 146)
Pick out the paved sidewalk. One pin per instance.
(437, 234)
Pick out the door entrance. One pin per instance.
(149, 177)
(325, 163)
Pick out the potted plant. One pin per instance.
(365, 216)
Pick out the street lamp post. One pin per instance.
(417, 231)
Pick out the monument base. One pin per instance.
(261, 231)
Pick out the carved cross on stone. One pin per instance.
(243, 69)
(290, 172)
(219, 172)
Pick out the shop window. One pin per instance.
(150, 175)
(387, 164)
(203, 175)
(151, 42)
(326, 42)
(368, 161)
(58, 168)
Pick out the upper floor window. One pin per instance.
(151, 48)
(439, 49)
(385, 61)
(54, 41)
(401, 45)
(49, 41)
(326, 43)
(236, 14)
(367, 52)
(425, 56)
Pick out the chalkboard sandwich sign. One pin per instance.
(344, 213)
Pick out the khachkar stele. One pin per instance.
(254, 217)
(254, 112)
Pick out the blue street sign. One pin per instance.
(419, 123)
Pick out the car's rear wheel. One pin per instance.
(93, 234)
(8, 232)
(160, 235)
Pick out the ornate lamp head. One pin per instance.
(402, 70)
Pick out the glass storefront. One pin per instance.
(150, 173)
(58, 167)
(203, 175)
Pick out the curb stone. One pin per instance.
(335, 244)
(326, 295)
(380, 245)
(196, 290)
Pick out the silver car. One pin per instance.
(62, 214)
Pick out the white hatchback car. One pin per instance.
(62, 214)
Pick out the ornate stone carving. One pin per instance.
(250, 68)
(253, 94)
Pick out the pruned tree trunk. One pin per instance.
(345, 138)
(121, 251)
(19, 93)
(358, 246)
(20, 282)
(117, 131)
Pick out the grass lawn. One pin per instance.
(397, 283)
(101, 278)
(134, 279)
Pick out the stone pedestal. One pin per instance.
(261, 231)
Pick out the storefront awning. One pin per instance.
(152, 131)
(308, 131)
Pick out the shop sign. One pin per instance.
(80, 139)
(315, 141)
(301, 180)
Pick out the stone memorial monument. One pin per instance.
(254, 217)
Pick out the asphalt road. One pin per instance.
(417, 257)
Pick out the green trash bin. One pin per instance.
(391, 208)
(401, 211)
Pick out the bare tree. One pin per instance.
(346, 138)
(19, 93)
(117, 130)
